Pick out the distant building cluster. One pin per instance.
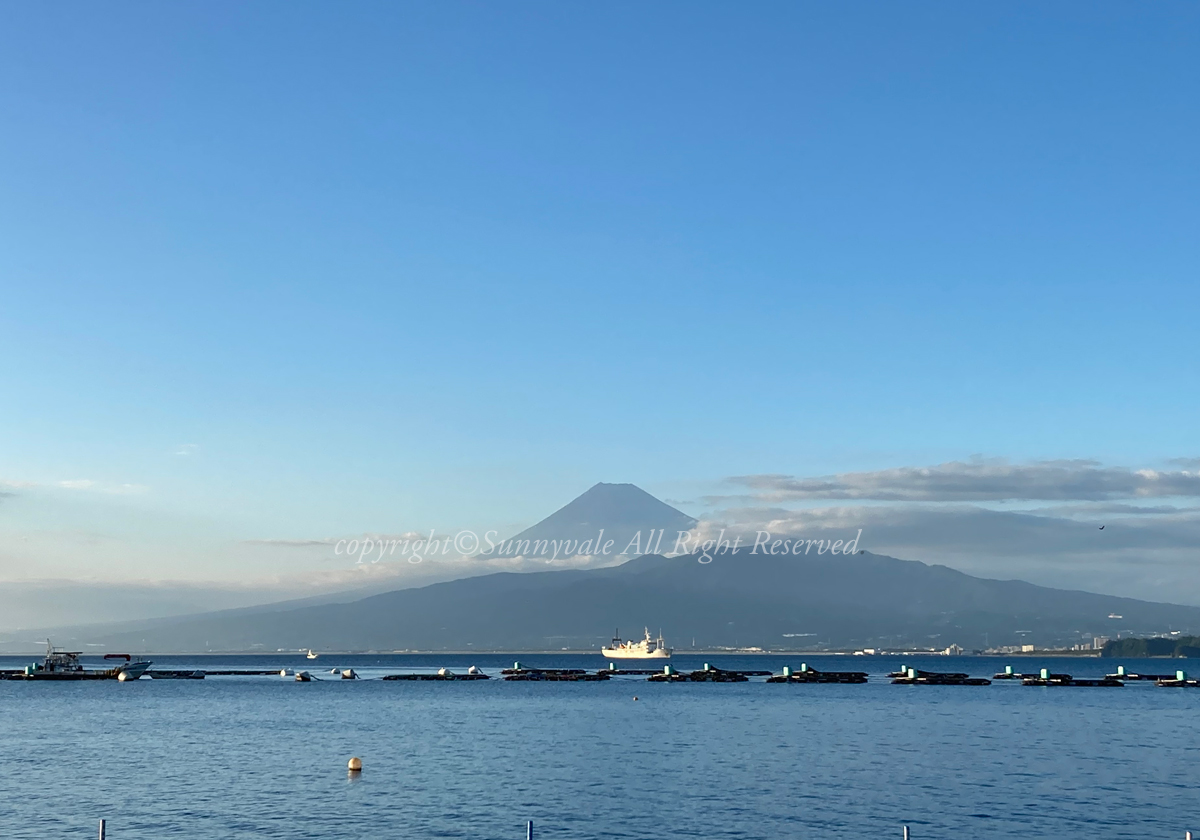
(1096, 643)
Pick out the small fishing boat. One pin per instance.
(60, 664)
(312, 655)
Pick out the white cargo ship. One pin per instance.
(647, 648)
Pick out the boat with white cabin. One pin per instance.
(647, 648)
(60, 664)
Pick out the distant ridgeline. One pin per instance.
(1182, 646)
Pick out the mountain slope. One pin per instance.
(738, 599)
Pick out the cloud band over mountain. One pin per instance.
(981, 480)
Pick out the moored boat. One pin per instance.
(60, 664)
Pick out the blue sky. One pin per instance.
(398, 265)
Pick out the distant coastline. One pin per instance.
(1158, 647)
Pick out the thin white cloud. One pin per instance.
(125, 489)
(186, 449)
(99, 487)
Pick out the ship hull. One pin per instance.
(618, 653)
(133, 670)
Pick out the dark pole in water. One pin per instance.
(529, 831)
(101, 829)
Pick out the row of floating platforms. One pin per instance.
(519, 673)
(1177, 680)
(805, 674)
(1045, 677)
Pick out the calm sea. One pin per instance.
(262, 757)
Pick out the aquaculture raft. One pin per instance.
(812, 675)
(1122, 675)
(1045, 678)
(1010, 674)
(244, 672)
(707, 674)
(552, 675)
(915, 677)
(175, 675)
(443, 675)
(1180, 680)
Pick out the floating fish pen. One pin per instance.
(241, 672)
(812, 675)
(668, 674)
(1010, 674)
(443, 675)
(710, 674)
(1180, 680)
(1045, 678)
(1122, 674)
(177, 675)
(556, 676)
(517, 670)
(630, 672)
(916, 677)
